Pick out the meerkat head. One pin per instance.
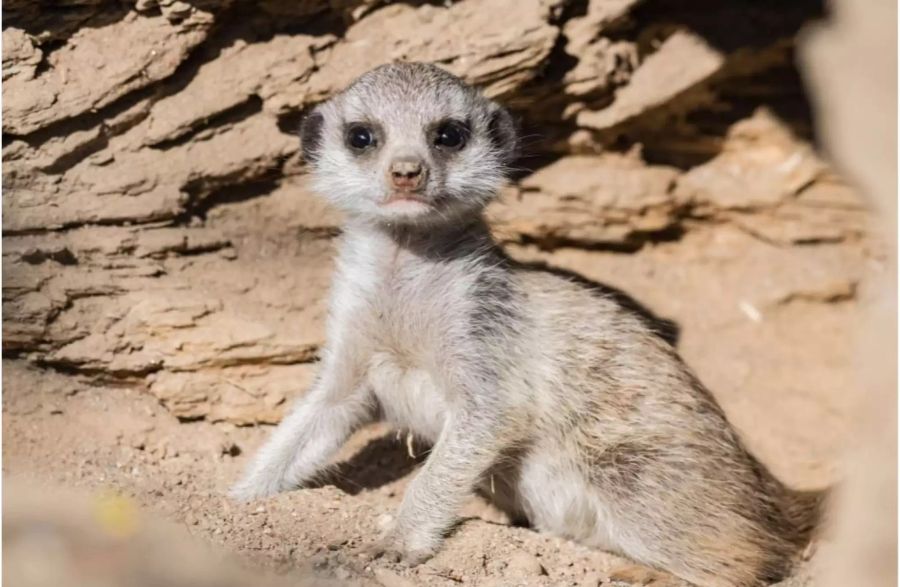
(409, 143)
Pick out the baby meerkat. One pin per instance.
(582, 420)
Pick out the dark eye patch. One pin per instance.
(311, 135)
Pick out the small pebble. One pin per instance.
(230, 449)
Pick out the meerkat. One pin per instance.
(585, 422)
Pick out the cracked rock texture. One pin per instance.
(159, 234)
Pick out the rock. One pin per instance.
(29, 389)
(54, 24)
(174, 330)
(175, 11)
(602, 62)
(840, 290)
(291, 205)
(590, 200)
(773, 185)
(146, 185)
(210, 336)
(270, 70)
(682, 61)
(28, 318)
(761, 164)
(239, 395)
(60, 152)
(298, 9)
(162, 242)
(81, 77)
(825, 212)
(506, 53)
(20, 55)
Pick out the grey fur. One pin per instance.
(591, 425)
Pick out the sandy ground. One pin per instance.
(767, 335)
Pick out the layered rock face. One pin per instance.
(159, 232)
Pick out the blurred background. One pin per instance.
(729, 165)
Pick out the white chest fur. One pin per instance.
(408, 314)
(409, 395)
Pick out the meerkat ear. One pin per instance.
(503, 132)
(311, 135)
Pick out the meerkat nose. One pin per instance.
(407, 173)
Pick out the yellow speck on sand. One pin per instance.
(117, 515)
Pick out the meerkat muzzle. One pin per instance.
(407, 174)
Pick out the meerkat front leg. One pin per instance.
(466, 448)
(316, 428)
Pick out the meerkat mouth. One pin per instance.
(405, 198)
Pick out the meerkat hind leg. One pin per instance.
(558, 499)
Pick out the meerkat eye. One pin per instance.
(450, 135)
(360, 137)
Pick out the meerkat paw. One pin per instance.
(634, 574)
(408, 550)
(257, 484)
(249, 490)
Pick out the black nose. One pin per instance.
(407, 173)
